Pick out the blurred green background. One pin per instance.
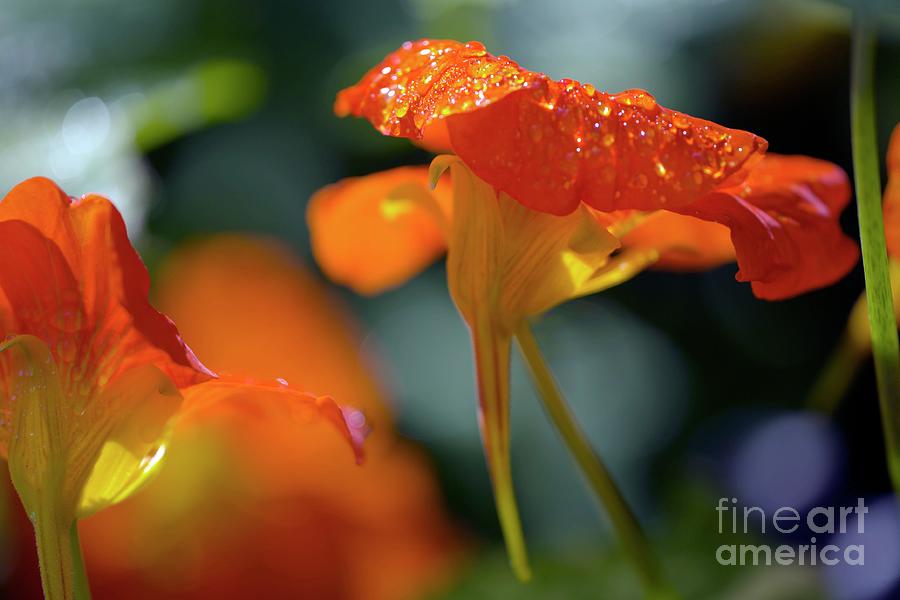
(200, 116)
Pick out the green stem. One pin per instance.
(601, 481)
(885, 347)
(63, 576)
(79, 573)
(492, 366)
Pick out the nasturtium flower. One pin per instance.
(560, 190)
(91, 375)
(317, 525)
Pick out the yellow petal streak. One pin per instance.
(406, 197)
(137, 410)
(522, 261)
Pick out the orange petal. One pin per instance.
(231, 397)
(379, 528)
(427, 80)
(125, 434)
(71, 460)
(71, 277)
(684, 243)
(374, 532)
(892, 196)
(549, 144)
(372, 233)
(436, 138)
(784, 223)
(39, 289)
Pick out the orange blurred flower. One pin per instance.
(249, 508)
(892, 196)
(91, 375)
(559, 191)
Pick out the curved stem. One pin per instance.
(79, 573)
(885, 347)
(492, 366)
(601, 481)
(63, 576)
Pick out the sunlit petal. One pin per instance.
(784, 225)
(548, 144)
(375, 232)
(132, 422)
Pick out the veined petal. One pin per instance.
(892, 196)
(74, 289)
(27, 263)
(514, 261)
(375, 232)
(549, 144)
(77, 460)
(38, 445)
(29, 303)
(784, 222)
(475, 258)
(118, 278)
(43, 473)
(92, 309)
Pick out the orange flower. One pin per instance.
(892, 196)
(291, 518)
(91, 375)
(558, 191)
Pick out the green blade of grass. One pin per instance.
(885, 347)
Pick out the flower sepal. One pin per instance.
(37, 460)
(521, 262)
